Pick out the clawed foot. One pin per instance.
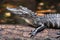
(58, 34)
(39, 29)
(33, 33)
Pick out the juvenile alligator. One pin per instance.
(40, 22)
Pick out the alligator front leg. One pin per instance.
(39, 29)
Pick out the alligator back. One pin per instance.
(51, 20)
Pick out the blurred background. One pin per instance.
(39, 6)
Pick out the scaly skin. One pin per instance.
(40, 22)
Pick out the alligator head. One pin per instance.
(24, 13)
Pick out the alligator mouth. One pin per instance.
(29, 21)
